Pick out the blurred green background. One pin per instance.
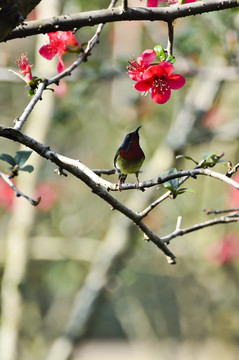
(73, 266)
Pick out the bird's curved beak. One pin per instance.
(138, 128)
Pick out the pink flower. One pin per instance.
(223, 251)
(179, 2)
(59, 45)
(159, 80)
(154, 3)
(137, 68)
(22, 62)
(6, 195)
(233, 196)
(48, 194)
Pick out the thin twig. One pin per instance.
(179, 222)
(125, 5)
(217, 212)
(170, 38)
(18, 192)
(233, 170)
(220, 220)
(17, 74)
(149, 208)
(181, 174)
(38, 96)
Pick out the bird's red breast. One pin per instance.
(134, 152)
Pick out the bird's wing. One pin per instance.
(115, 162)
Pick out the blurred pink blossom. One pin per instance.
(224, 250)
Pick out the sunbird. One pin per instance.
(129, 158)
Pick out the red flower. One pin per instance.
(159, 80)
(223, 251)
(22, 62)
(137, 68)
(59, 45)
(153, 3)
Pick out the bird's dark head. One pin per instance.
(129, 139)
(130, 146)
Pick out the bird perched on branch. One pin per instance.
(129, 158)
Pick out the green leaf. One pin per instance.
(212, 159)
(160, 52)
(183, 190)
(172, 184)
(171, 59)
(168, 186)
(187, 158)
(28, 168)
(21, 157)
(208, 156)
(31, 92)
(8, 158)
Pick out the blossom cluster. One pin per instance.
(156, 78)
(151, 71)
(60, 43)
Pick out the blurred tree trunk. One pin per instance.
(22, 219)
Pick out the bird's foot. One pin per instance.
(137, 185)
(119, 185)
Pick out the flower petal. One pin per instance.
(166, 67)
(176, 81)
(148, 56)
(152, 3)
(71, 39)
(60, 66)
(152, 71)
(143, 85)
(160, 97)
(48, 51)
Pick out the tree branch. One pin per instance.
(232, 171)
(72, 165)
(90, 18)
(234, 217)
(93, 181)
(18, 192)
(101, 187)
